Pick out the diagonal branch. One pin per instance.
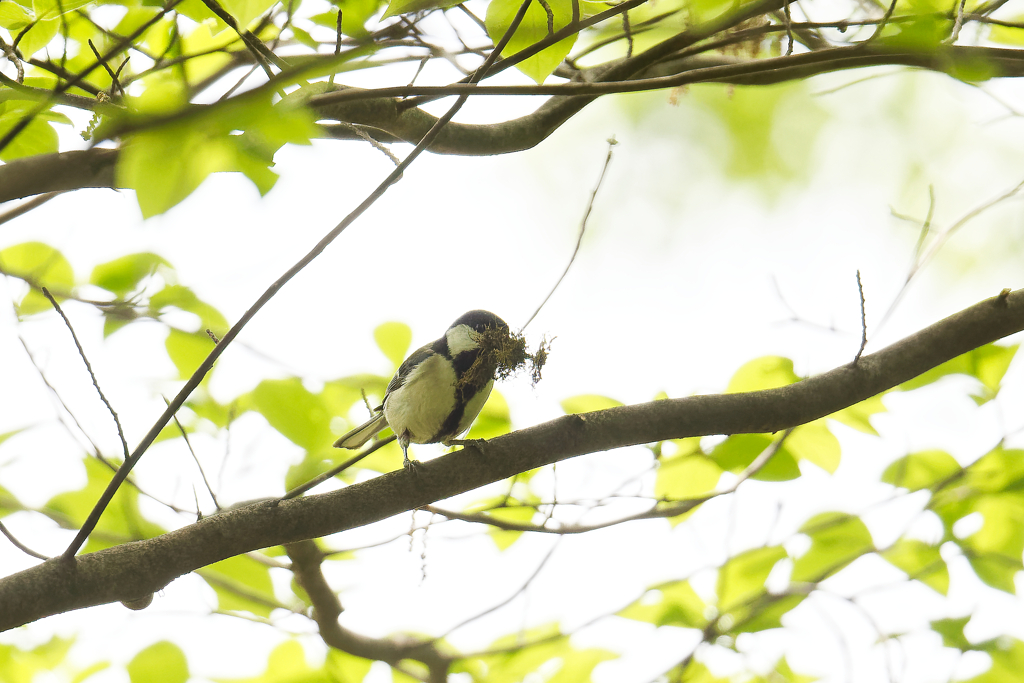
(129, 571)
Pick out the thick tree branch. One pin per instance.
(136, 569)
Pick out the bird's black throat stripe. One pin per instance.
(464, 391)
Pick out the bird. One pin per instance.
(433, 397)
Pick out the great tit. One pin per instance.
(431, 399)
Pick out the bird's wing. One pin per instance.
(417, 357)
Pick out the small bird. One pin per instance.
(431, 399)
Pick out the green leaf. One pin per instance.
(767, 372)
(921, 562)
(987, 364)
(1001, 469)
(837, 539)
(244, 11)
(858, 415)
(393, 340)
(1007, 662)
(122, 275)
(299, 415)
(242, 584)
(517, 514)
(922, 470)
(13, 16)
(687, 476)
(767, 613)
(952, 632)
(742, 578)
(1006, 35)
(671, 604)
(120, 522)
(185, 299)
(814, 443)
(27, 665)
(162, 662)
(588, 403)
(738, 451)
(41, 266)
(38, 37)
(287, 664)
(38, 137)
(187, 351)
(166, 163)
(396, 7)
(534, 28)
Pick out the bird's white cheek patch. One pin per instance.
(461, 338)
(421, 405)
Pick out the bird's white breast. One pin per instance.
(421, 405)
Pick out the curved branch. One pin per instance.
(57, 173)
(129, 571)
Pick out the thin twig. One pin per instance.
(338, 469)
(21, 546)
(27, 206)
(583, 229)
(789, 28)
(629, 34)
(110, 72)
(184, 435)
(958, 23)
(863, 320)
(88, 366)
(12, 56)
(337, 45)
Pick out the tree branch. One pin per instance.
(132, 570)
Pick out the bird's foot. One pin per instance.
(411, 465)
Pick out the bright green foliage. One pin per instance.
(120, 523)
(695, 671)
(837, 539)
(573, 665)
(39, 137)
(923, 470)
(42, 662)
(298, 414)
(920, 561)
(588, 403)
(814, 443)
(393, 340)
(670, 604)
(162, 662)
(991, 487)
(738, 451)
(536, 25)
(40, 266)
(987, 364)
(187, 350)
(165, 163)
(685, 477)
(767, 372)
(858, 415)
(1007, 662)
(242, 584)
(287, 664)
(1006, 35)
(742, 578)
(952, 632)
(396, 7)
(183, 298)
(122, 275)
(771, 129)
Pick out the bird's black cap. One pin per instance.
(481, 320)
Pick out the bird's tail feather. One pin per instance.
(363, 433)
